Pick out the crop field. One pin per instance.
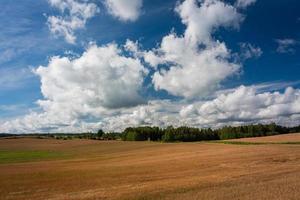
(285, 138)
(90, 169)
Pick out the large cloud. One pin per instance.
(100, 83)
(100, 78)
(125, 10)
(244, 104)
(193, 74)
(88, 86)
(75, 15)
(241, 105)
(194, 64)
(233, 107)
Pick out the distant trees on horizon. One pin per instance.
(189, 134)
(172, 134)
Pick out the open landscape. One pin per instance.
(33, 168)
(149, 100)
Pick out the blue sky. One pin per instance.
(262, 54)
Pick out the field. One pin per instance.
(286, 138)
(87, 169)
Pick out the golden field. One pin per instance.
(89, 169)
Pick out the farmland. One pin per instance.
(89, 169)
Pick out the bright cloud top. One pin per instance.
(125, 10)
(90, 86)
(75, 15)
(101, 77)
(197, 63)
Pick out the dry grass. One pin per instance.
(145, 170)
(295, 137)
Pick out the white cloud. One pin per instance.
(102, 87)
(75, 15)
(194, 74)
(263, 87)
(243, 105)
(286, 45)
(248, 51)
(100, 83)
(133, 47)
(197, 63)
(101, 77)
(244, 3)
(160, 113)
(125, 10)
(201, 21)
(149, 57)
(246, 105)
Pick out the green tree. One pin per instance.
(100, 133)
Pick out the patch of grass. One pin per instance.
(28, 156)
(289, 143)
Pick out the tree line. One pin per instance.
(171, 134)
(189, 134)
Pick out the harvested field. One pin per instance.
(86, 169)
(285, 138)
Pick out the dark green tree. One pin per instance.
(100, 133)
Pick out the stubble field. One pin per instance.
(86, 169)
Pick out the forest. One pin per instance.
(172, 134)
(189, 134)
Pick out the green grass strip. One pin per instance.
(28, 156)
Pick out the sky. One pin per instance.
(83, 65)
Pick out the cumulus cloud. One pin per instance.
(201, 21)
(195, 62)
(75, 14)
(101, 82)
(195, 74)
(242, 105)
(125, 10)
(102, 87)
(286, 45)
(244, 3)
(101, 77)
(245, 105)
(156, 113)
